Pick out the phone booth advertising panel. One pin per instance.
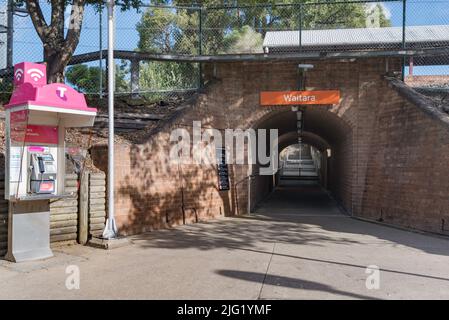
(37, 116)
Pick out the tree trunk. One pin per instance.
(55, 67)
(57, 50)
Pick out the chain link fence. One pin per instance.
(5, 54)
(430, 75)
(305, 26)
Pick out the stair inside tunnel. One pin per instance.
(299, 162)
(299, 189)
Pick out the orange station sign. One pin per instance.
(289, 98)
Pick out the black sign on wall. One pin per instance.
(223, 172)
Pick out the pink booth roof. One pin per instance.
(56, 95)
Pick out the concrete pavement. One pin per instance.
(303, 248)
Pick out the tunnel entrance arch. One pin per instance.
(328, 133)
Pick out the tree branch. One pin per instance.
(57, 18)
(73, 34)
(38, 19)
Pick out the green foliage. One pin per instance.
(376, 16)
(87, 79)
(158, 75)
(177, 30)
(244, 39)
(122, 84)
(164, 30)
(333, 16)
(6, 87)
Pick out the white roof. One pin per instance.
(358, 37)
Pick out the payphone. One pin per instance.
(36, 120)
(42, 176)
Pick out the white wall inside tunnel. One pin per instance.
(300, 162)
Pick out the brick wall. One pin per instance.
(153, 193)
(407, 173)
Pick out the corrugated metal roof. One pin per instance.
(357, 37)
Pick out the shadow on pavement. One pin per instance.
(301, 215)
(288, 282)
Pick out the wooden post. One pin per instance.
(97, 204)
(83, 208)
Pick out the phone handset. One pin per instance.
(41, 164)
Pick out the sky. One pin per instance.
(27, 45)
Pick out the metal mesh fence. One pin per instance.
(305, 26)
(157, 75)
(3, 33)
(162, 30)
(353, 26)
(242, 30)
(90, 77)
(5, 77)
(427, 19)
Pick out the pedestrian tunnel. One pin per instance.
(319, 166)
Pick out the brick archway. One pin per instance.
(325, 129)
(378, 140)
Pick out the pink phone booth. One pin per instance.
(31, 88)
(37, 116)
(28, 72)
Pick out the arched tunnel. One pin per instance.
(326, 144)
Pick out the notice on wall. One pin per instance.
(22, 132)
(223, 170)
(41, 134)
(15, 164)
(18, 127)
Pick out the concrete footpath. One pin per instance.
(306, 250)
